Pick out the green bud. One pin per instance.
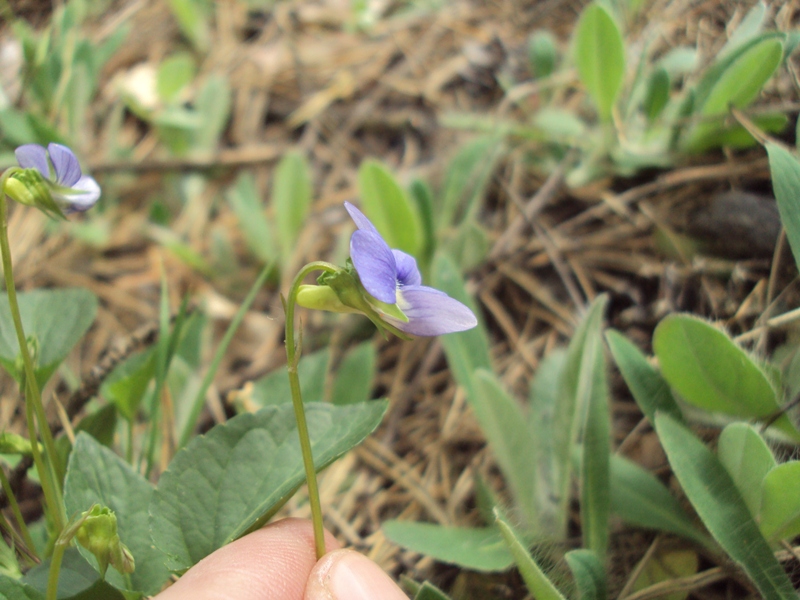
(321, 297)
(29, 187)
(11, 443)
(98, 534)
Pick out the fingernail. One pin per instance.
(348, 575)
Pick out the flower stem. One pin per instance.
(292, 360)
(34, 410)
(55, 569)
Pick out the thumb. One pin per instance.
(348, 575)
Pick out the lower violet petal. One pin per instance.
(85, 196)
(431, 312)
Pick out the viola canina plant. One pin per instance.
(382, 283)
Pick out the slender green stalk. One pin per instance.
(292, 359)
(33, 399)
(200, 398)
(55, 569)
(12, 502)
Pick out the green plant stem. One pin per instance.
(12, 502)
(200, 398)
(33, 399)
(55, 569)
(292, 359)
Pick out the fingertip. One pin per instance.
(272, 563)
(348, 575)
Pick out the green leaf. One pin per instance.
(639, 498)
(710, 371)
(657, 93)
(506, 429)
(234, 478)
(56, 319)
(543, 399)
(101, 424)
(738, 85)
(646, 384)
(748, 28)
(355, 375)
(477, 549)
(592, 392)
(256, 230)
(213, 105)
(582, 393)
(542, 53)
(9, 565)
(600, 57)
(466, 180)
(127, 384)
(389, 208)
(428, 591)
(13, 589)
(273, 388)
(193, 19)
(780, 502)
(748, 459)
(466, 351)
(96, 475)
(537, 582)
(174, 74)
(291, 200)
(785, 170)
(590, 576)
(714, 496)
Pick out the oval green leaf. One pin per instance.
(600, 57)
(785, 170)
(389, 207)
(780, 502)
(710, 371)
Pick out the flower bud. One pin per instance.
(11, 443)
(29, 187)
(98, 534)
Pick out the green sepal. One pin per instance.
(29, 187)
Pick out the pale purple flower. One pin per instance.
(392, 277)
(70, 188)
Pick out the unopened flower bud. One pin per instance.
(98, 534)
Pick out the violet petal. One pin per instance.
(375, 265)
(33, 156)
(362, 222)
(65, 163)
(407, 269)
(87, 194)
(431, 312)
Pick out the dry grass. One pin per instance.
(302, 79)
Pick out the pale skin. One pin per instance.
(278, 563)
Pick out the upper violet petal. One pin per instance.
(33, 156)
(375, 265)
(407, 269)
(362, 222)
(431, 312)
(87, 193)
(66, 165)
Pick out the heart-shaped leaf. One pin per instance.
(55, 319)
(222, 484)
(96, 475)
(13, 589)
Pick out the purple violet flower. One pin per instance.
(70, 189)
(392, 277)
